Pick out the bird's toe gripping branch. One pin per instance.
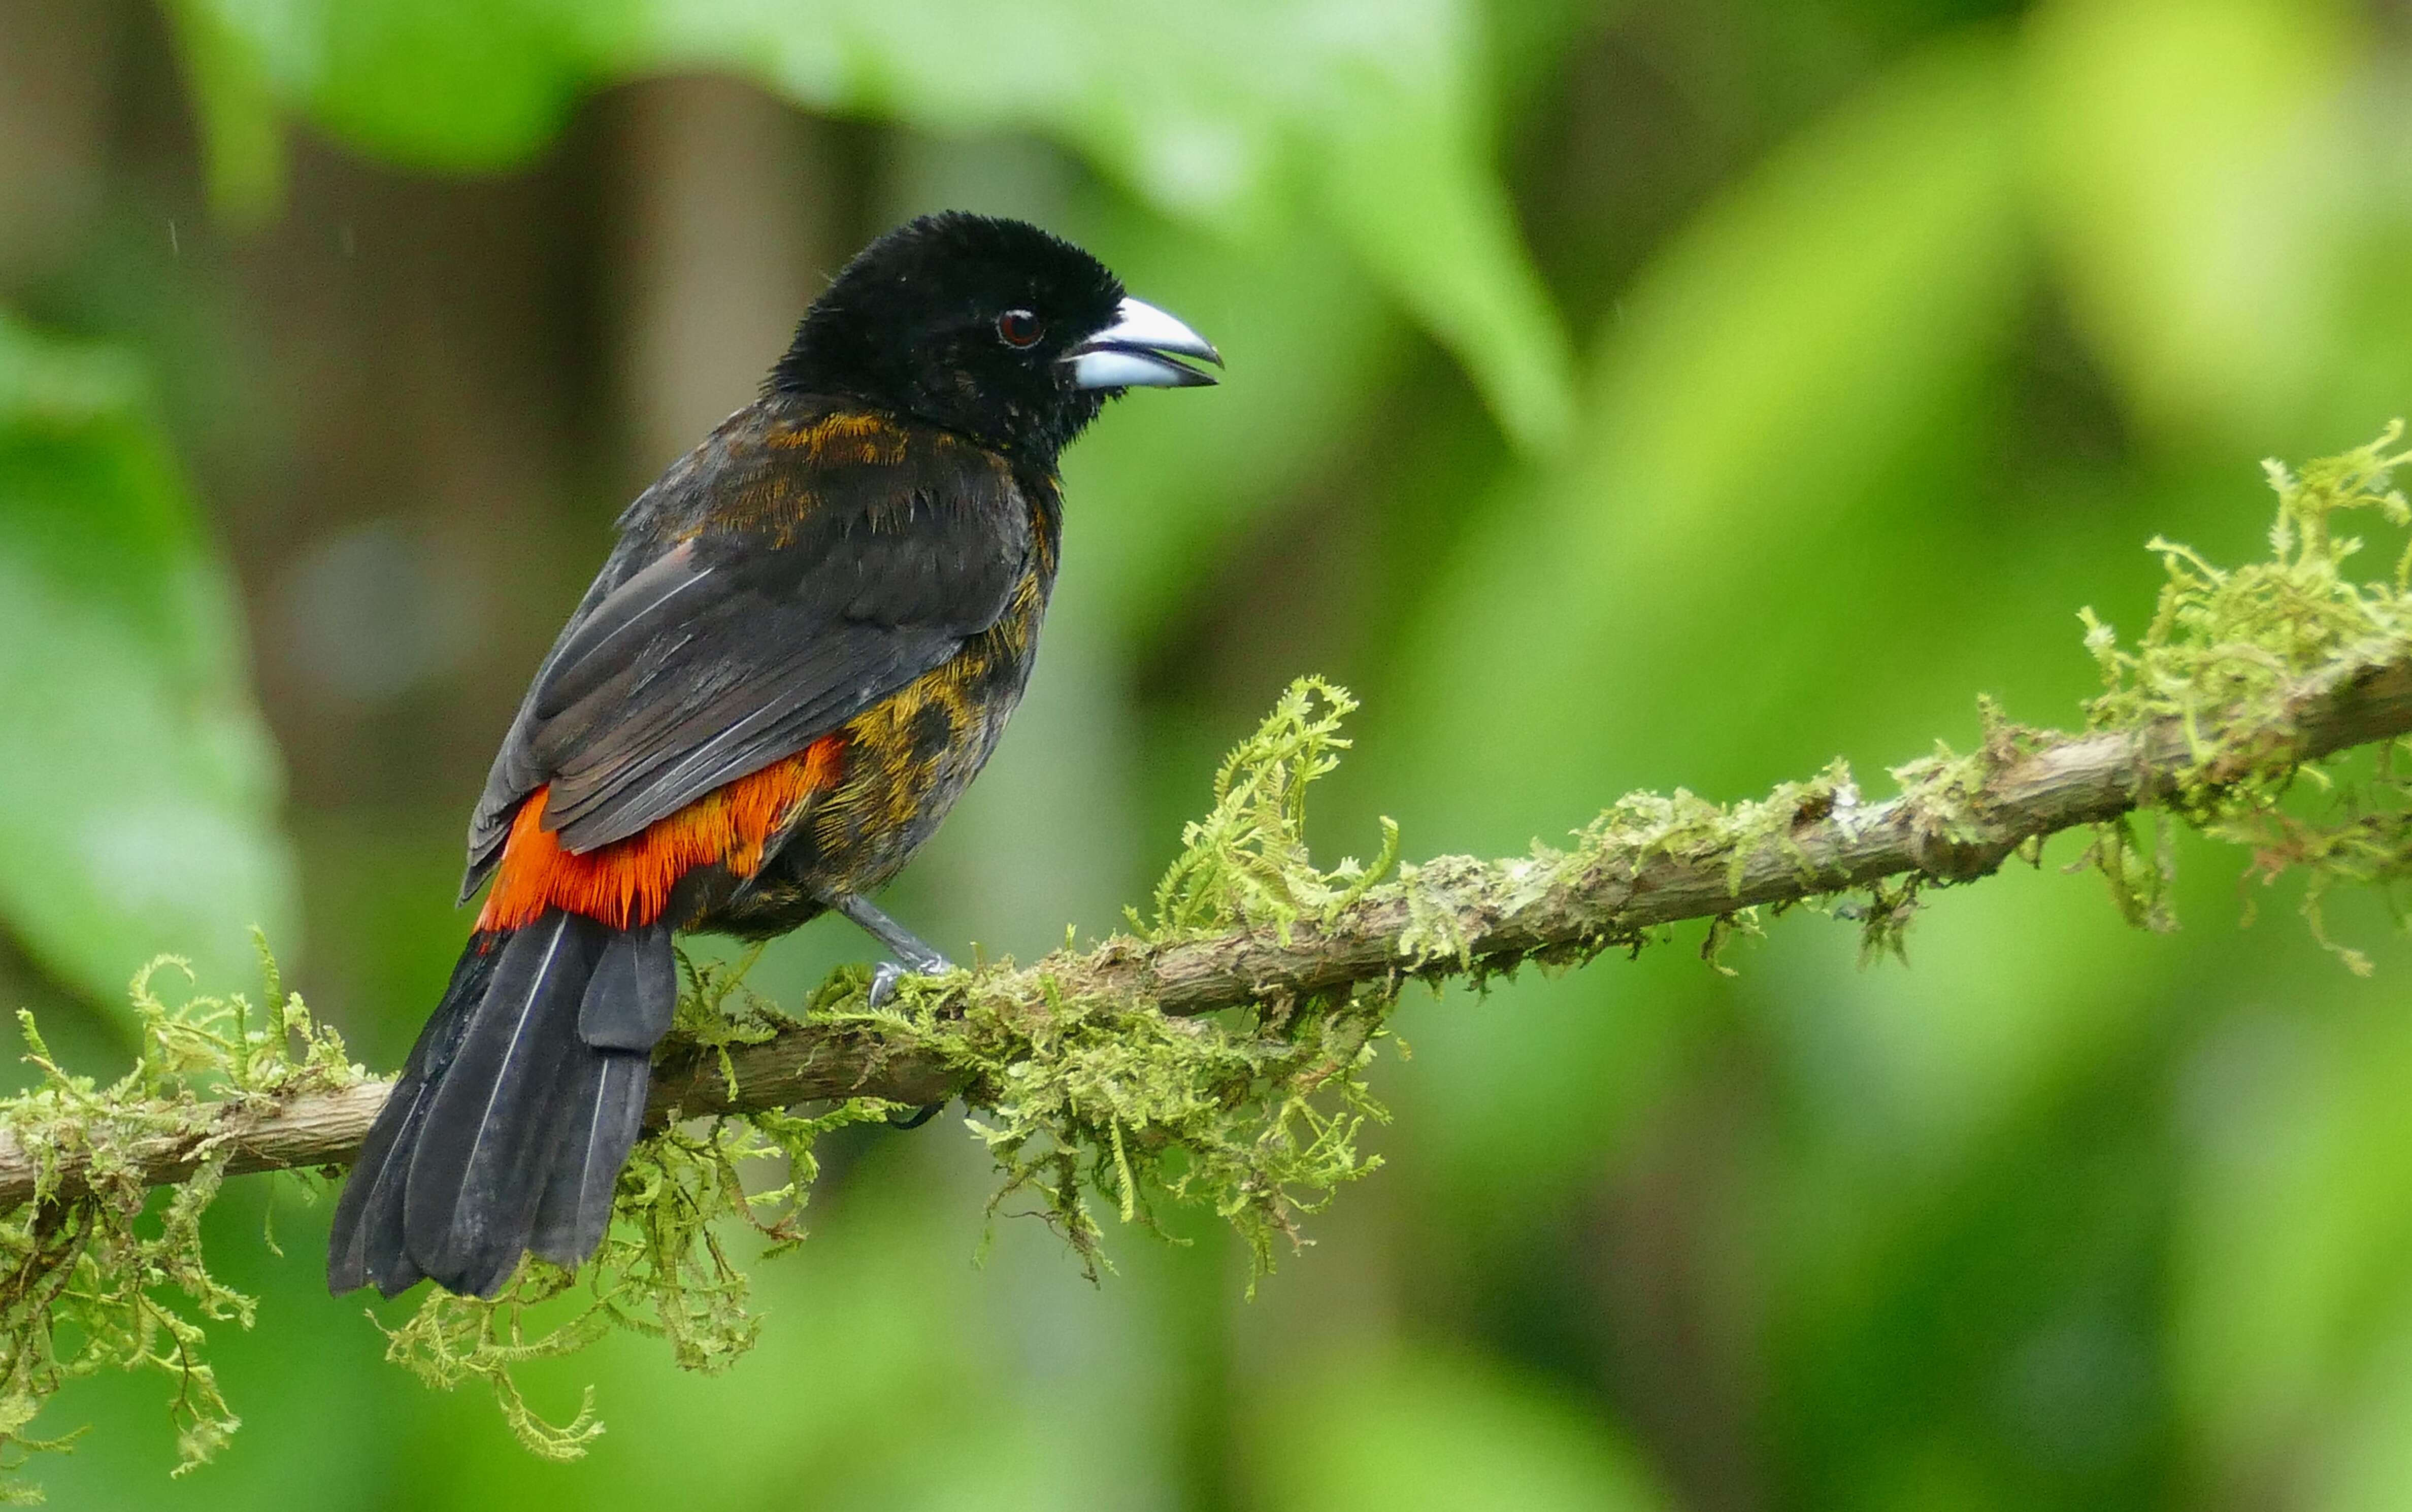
(915, 956)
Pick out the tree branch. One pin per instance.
(1493, 914)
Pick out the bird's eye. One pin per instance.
(1019, 328)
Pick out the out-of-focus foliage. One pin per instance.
(1863, 276)
(138, 785)
(1420, 1431)
(2221, 184)
(1366, 119)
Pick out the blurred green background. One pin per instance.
(1620, 394)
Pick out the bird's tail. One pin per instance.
(514, 1113)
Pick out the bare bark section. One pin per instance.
(1499, 912)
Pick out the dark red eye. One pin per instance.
(1019, 328)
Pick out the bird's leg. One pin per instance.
(916, 957)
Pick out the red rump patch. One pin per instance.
(627, 882)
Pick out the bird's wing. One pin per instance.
(807, 590)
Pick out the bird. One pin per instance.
(802, 648)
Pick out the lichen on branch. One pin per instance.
(1216, 1055)
(91, 1278)
(2225, 658)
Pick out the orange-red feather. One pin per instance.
(627, 882)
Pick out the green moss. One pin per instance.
(95, 1273)
(1246, 864)
(2222, 650)
(1254, 1113)
(2228, 642)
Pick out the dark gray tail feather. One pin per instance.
(514, 1113)
(366, 1245)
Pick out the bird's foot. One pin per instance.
(884, 978)
(885, 975)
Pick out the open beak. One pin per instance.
(1142, 349)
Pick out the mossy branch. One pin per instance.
(1453, 915)
(1111, 1071)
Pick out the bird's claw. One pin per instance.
(885, 975)
(884, 978)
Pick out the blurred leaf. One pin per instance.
(2294, 1274)
(2367, 1466)
(1365, 116)
(242, 147)
(137, 785)
(2204, 183)
(1439, 1433)
(1157, 490)
(1408, 185)
(1803, 337)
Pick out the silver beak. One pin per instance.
(1142, 350)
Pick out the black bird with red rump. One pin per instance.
(801, 649)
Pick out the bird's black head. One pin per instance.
(991, 327)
